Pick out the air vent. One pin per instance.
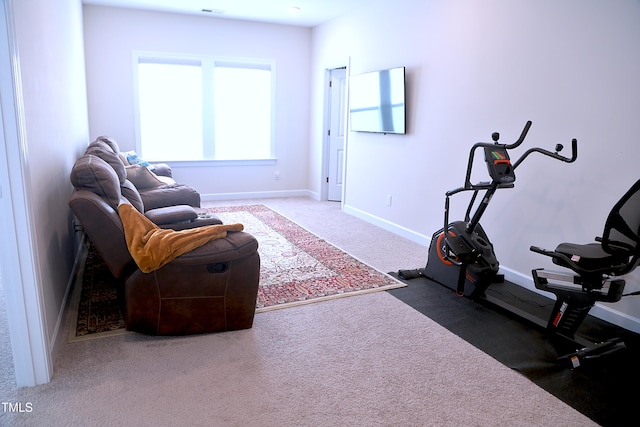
(215, 11)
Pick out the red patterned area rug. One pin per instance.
(94, 311)
(296, 267)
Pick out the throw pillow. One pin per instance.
(134, 159)
(142, 177)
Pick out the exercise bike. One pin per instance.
(461, 256)
(596, 268)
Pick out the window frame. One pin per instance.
(207, 64)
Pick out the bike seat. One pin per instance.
(617, 251)
(590, 257)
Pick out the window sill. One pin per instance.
(214, 163)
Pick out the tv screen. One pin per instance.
(377, 101)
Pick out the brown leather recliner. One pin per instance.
(212, 288)
(156, 187)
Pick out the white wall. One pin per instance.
(51, 132)
(474, 67)
(113, 34)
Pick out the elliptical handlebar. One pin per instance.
(467, 182)
(523, 135)
(574, 153)
(501, 171)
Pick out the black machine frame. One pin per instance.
(463, 258)
(465, 255)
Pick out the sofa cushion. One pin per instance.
(142, 177)
(166, 180)
(103, 151)
(110, 142)
(94, 174)
(130, 192)
(100, 144)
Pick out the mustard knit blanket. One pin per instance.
(152, 247)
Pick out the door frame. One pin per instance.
(19, 261)
(325, 130)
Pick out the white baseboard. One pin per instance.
(387, 225)
(259, 195)
(601, 311)
(58, 338)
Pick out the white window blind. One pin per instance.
(204, 109)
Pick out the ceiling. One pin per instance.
(309, 13)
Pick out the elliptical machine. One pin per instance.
(462, 257)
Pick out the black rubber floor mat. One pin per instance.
(601, 390)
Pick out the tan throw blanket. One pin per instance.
(152, 247)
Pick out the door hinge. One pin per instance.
(330, 83)
(329, 132)
(327, 180)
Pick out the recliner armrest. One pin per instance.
(180, 217)
(171, 214)
(162, 169)
(169, 195)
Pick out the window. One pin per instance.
(191, 109)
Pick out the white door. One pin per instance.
(336, 133)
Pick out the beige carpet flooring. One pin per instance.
(366, 360)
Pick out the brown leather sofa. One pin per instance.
(212, 288)
(154, 183)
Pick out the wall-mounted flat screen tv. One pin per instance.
(377, 101)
